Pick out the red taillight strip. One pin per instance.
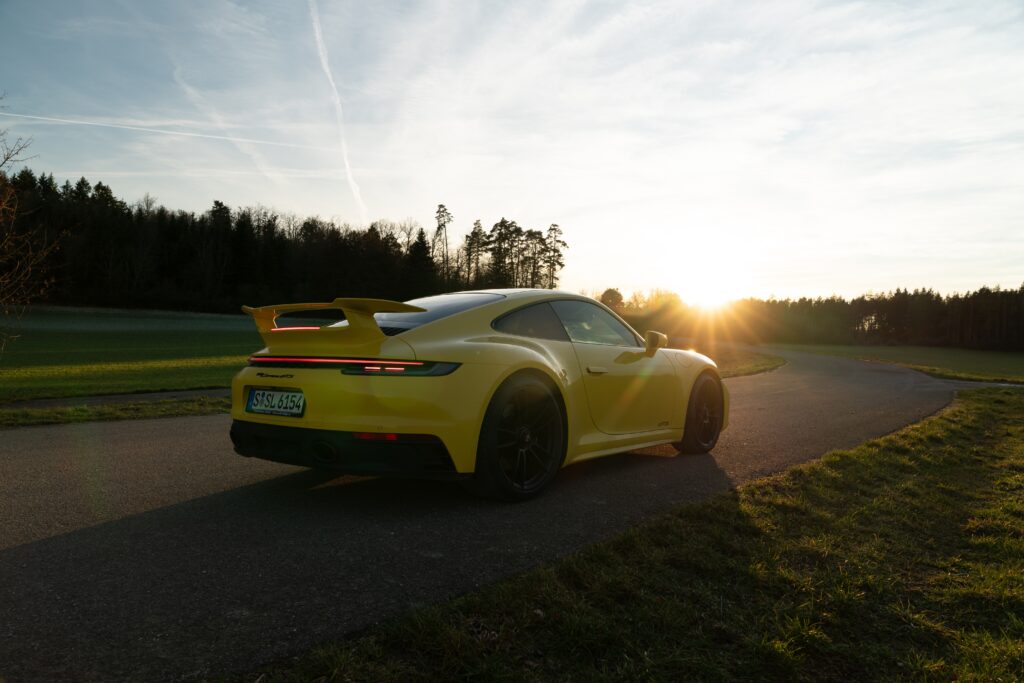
(349, 361)
(359, 366)
(288, 329)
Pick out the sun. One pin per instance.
(709, 302)
(712, 289)
(703, 280)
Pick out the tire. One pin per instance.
(703, 416)
(522, 440)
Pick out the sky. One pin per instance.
(714, 149)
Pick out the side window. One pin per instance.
(537, 320)
(588, 324)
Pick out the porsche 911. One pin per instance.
(496, 388)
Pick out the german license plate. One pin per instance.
(276, 402)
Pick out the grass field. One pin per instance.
(900, 559)
(998, 366)
(67, 352)
(128, 410)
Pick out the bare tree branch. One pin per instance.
(23, 253)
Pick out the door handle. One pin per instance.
(596, 369)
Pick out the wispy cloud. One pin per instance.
(247, 148)
(159, 131)
(96, 25)
(230, 19)
(198, 172)
(339, 116)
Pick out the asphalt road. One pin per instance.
(148, 550)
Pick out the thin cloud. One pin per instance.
(321, 50)
(197, 172)
(160, 131)
(197, 99)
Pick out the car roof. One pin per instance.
(523, 293)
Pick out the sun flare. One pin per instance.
(712, 302)
(713, 287)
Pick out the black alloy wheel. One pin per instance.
(703, 416)
(522, 440)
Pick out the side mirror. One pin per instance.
(654, 341)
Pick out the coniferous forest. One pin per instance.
(110, 253)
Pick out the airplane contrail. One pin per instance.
(162, 131)
(199, 102)
(321, 49)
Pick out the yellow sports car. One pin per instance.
(497, 388)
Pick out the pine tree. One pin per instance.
(554, 261)
(420, 271)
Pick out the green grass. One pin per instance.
(65, 352)
(900, 559)
(25, 417)
(991, 366)
(97, 379)
(69, 352)
(107, 378)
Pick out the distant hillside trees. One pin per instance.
(146, 255)
(983, 319)
(612, 298)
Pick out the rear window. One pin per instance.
(437, 307)
(538, 320)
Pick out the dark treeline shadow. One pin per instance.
(145, 255)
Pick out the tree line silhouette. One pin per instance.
(989, 318)
(146, 255)
(111, 253)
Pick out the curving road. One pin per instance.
(148, 550)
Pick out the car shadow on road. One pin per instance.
(265, 570)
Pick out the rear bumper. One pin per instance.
(342, 452)
(450, 407)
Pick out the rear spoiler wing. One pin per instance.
(358, 312)
(362, 328)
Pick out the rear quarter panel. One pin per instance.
(496, 357)
(469, 338)
(690, 365)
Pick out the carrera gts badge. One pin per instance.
(267, 374)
